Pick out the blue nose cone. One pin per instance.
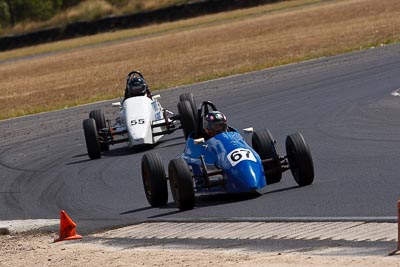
(245, 177)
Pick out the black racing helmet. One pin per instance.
(136, 86)
(215, 122)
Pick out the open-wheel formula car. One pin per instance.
(142, 121)
(224, 162)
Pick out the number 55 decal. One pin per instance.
(135, 122)
(239, 155)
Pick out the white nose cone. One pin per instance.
(138, 117)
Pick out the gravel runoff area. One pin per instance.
(199, 244)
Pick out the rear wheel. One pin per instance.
(264, 144)
(92, 139)
(300, 161)
(181, 183)
(189, 97)
(100, 120)
(188, 120)
(154, 180)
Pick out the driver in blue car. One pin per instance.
(136, 86)
(214, 122)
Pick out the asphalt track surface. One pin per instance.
(346, 107)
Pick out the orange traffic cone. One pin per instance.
(67, 228)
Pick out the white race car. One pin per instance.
(142, 121)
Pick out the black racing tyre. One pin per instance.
(100, 120)
(188, 120)
(264, 144)
(300, 161)
(189, 97)
(92, 139)
(154, 180)
(181, 183)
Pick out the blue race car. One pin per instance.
(224, 162)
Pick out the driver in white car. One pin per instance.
(136, 86)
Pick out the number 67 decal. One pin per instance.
(239, 155)
(135, 122)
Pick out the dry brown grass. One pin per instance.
(154, 29)
(89, 10)
(196, 54)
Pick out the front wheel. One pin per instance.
(300, 161)
(181, 183)
(100, 120)
(92, 139)
(264, 144)
(154, 180)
